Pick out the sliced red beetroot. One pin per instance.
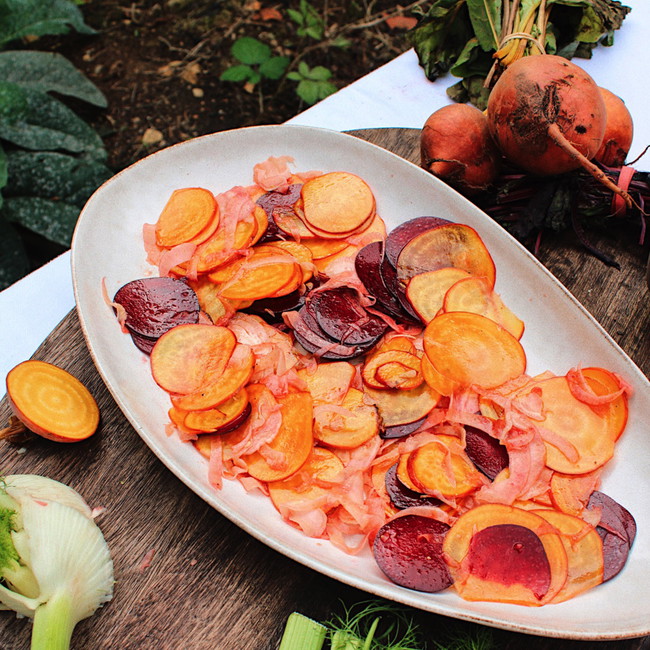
(368, 264)
(403, 497)
(400, 430)
(617, 530)
(143, 343)
(271, 309)
(389, 276)
(314, 342)
(342, 317)
(273, 200)
(155, 305)
(510, 554)
(486, 452)
(408, 550)
(402, 235)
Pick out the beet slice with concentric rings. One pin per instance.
(155, 305)
(408, 550)
(402, 235)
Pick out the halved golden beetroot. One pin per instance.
(293, 442)
(337, 204)
(443, 470)
(310, 482)
(403, 406)
(426, 291)
(520, 559)
(221, 388)
(574, 423)
(447, 245)
(51, 402)
(474, 294)
(471, 349)
(584, 550)
(188, 213)
(188, 356)
(347, 426)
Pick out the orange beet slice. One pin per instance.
(471, 349)
(453, 244)
(427, 291)
(293, 442)
(226, 417)
(403, 406)
(392, 369)
(188, 356)
(337, 203)
(188, 213)
(520, 560)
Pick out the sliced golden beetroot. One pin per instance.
(584, 550)
(577, 439)
(398, 407)
(190, 215)
(399, 343)
(291, 446)
(347, 426)
(328, 383)
(452, 244)
(323, 248)
(267, 271)
(402, 473)
(302, 255)
(570, 492)
(474, 294)
(436, 381)
(408, 549)
(188, 356)
(50, 402)
(337, 204)
(405, 232)
(471, 349)
(392, 369)
(219, 388)
(519, 559)
(224, 418)
(427, 291)
(443, 470)
(309, 484)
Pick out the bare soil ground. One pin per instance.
(159, 63)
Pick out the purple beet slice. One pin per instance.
(273, 200)
(343, 318)
(403, 497)
(271, 309)
(155, 305)
(143, 343)
(402, 235)
(368, 264)
(389, 276)
(313, 342)
(408, 550)
(510, 554)
(401, 430)
(617, 530)
(487, 453)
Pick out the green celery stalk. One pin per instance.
(302, 633)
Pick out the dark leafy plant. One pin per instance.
(50, 159)
(313, 83)
(255, 62)
(309, 21)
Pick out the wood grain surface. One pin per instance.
(210, 585)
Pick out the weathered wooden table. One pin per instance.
(209, 584)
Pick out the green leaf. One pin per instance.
(485, 16)
(14, 263)
(342, 42)
(250, 50)
(53, 176)
(472, 61)
(21, 18)
(48, 72)
(313, 91)
(315, 32)
(296, 16)
(54, 220)
(319, 73)
(441, 35)
(13, 102)
(50, 125)
(303, 69)
(275, 67)
(237, 73)
(295, 76)
(255, 78)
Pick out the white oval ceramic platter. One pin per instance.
(559, 334)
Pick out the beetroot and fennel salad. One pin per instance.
(373, 385)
